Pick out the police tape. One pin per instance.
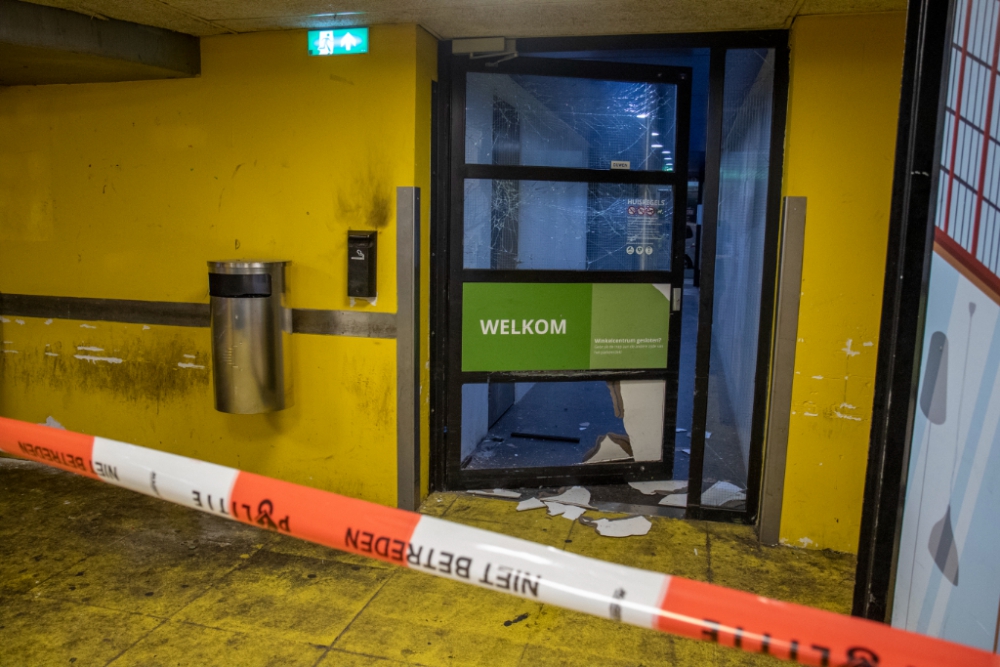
(489, 560)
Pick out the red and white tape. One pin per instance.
(485, 559)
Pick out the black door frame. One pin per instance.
(904, 301)
(441, 196)
(769, 277)
(455, 476)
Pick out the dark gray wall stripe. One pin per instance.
(167, 313)
(344, 323)
(106, 310)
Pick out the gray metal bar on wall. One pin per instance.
(783, 368)
(408, 347)
(180, 314)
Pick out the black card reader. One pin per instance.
(362, 250)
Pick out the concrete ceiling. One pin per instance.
(472, 18)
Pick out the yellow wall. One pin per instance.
(125, 190)
(840, 142)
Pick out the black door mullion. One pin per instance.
(593, 69)
(561, 276)
(572, 175)
(452, 437)
(565, 376)
(703, 354)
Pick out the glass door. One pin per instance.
(568, 188)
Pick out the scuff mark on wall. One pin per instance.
(848, 350)
(837, 412)
(86, 348)
(92, 359)
(87, 326)
(136, 370)
(187, 365)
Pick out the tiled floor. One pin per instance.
(95, 575)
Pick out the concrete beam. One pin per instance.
(41, 45)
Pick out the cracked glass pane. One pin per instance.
(542, 424)
(549, 121)
(739, 266)
(569, 226)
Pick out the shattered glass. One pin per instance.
(546, 225)
(543, 424)
(549, 121)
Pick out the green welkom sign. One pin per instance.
(564, 326)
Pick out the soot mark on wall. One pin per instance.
(148, 370)
(368, 201)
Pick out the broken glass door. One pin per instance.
(565, 271)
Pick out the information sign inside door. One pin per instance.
(646, 227)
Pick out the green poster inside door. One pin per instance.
(564, 326)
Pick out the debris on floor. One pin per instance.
(723, 493)
(530, 504)
(633, 525)
(571, 512)
(660, 486)
(50, 421)
(497, 493)
(574, 502)
(675, 500)
(577, 495)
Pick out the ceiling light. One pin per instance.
(657, 145)
(643, 115)
(655, 134)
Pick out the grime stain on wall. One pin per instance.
(110, 359)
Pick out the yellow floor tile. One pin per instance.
(186, 645)
(337, 658)
(150, 572)
(288, 597)
(40, 632)
(417, 618)
(501, 516)
(27, 561)
(546, 656)
(672, 546)
(815, 578)
(571, 631)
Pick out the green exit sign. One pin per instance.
(338, 42)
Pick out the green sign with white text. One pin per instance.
(564, 326)
(338, 42)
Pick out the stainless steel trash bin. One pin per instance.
(250, 331)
